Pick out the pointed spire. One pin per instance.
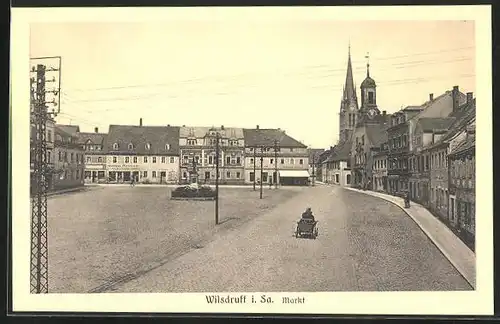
(349, 90)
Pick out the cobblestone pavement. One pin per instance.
(364, 244)
(105, 236)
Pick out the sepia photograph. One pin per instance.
(253, 160)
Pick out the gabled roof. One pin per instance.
(200, 132)
(139, 136)
(70, 129)
(315, 154)
(261, 137)
(464, 146)
(428, 124)
(95, 138)
(342, 151)
(377, 134)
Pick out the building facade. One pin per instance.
(426, 132)
(462, 185)
(315, 164)
(93, 145)
(147, 154)
(379, 167)
(198, 155)
(69, 163)
(272, 156)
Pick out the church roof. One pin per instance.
(264, 137)
(368, 82)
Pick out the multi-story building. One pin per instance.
(442, 203)
(426, 132)
(49, 136)
(150, 154)
(69, 162)
(95, 155)
(379, 167)
(462, 185)
(198, 155)
(281, 158)
(321, 166)
(399, 150)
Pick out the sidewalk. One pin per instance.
(157, 185)
(63, 191)
(462, 258)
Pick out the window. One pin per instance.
(363, 140)
(163, 159)
(135, 159)
(271, 161)
(99, 159)
(49, 136)
(301, 161)
(145, 174)
(238, 175)
(114, 159)
(131, 146)
(211, 160)
(192, 142)
(49, 156)
(228, 175)
(154, 174)
(252, 176)
(167, 147)
(154, 159)
(127, 159)
(77, 174)
(72, 157)
(148, 146)
(228, 160)
(172, 159)
(115, 146)
(251, 160)
(371, 97)
(88, 158)
(291, 149)
(251, 149)
(238, 160)
(145, 159)
(282, 161)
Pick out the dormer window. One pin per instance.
(167, 147)
(130, 146)
(115, 146)
(148, 146)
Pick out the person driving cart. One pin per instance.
(308, 215)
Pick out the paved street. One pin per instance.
(365, 244)
(107, 235)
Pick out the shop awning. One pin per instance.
(294, 174)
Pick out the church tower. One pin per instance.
(369, 110)
(348, 105)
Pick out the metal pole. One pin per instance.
(39, 259)
(261, 168)
(254, 175)
(217, 179)
(314, 175)
(276, 163)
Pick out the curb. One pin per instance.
(470, 278)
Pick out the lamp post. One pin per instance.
(261, 168)
(276, 163)
(313, 175)
(254, 175)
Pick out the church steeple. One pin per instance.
(349, 103)
(349, 89)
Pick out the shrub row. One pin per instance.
(190, 192)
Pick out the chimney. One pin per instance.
(431, 96)
(222, 127)
(455, 98)
(257, 127)
(469, 98)
(96, 130)
(140, 121)
(168, 125)
(384, 113)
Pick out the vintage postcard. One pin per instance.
(297, 160)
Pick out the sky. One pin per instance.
(241, 73)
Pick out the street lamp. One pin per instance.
(215, 135)
(275, 146)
